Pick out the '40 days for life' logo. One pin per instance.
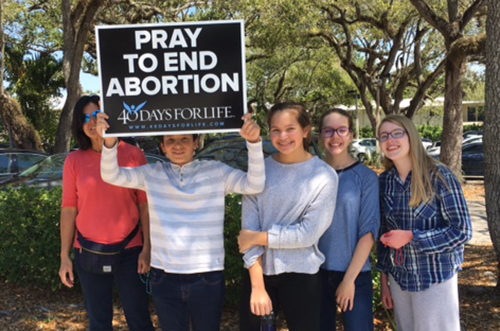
(131, 113)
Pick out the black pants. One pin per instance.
(297, 295)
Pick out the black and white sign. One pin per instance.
(172, 78)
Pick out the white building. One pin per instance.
(431, 113)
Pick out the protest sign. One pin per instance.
(173, 78)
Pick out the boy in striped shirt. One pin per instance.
(186, 210)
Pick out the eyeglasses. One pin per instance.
(93, 116)
(329, 132)
(396, 134)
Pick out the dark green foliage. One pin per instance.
(474, 127)
(30, 244)
(366, 132)
(432, 132)
(29, 236)
(234, 260)
(35, 78)
(377, 293)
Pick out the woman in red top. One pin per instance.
(104, 214)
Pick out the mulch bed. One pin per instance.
(30, 308)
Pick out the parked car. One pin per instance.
(436, 151)
(148, 144)
(472, 159)
(472, 139)
(14, 161)
(233, 151)
(427, 143)
(469, 133)
(48, 173)
(362, 149)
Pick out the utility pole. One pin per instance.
(356, 96)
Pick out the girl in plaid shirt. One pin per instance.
(425, 224)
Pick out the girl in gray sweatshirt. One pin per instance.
(283, 224)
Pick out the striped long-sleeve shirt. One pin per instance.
(186, 206)
(440, 227)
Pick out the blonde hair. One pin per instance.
(423, 166)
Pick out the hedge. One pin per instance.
(30, 242)
(29, 236)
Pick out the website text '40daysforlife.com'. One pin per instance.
(175, 118)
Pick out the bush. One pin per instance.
(30, 243)
(366, 132)
(234, 261)
(432, 132)
(29, 236)
(473, 127)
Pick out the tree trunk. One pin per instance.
(21, 133)
(451, 140)
(492, 126)
(77, 24)
(24, 134)
(452, 28)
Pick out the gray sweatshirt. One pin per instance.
(295, 208)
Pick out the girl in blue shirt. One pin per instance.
(346, 272)
(425, 224)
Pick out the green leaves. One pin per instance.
(29, 236)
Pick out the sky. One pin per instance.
(89, 82)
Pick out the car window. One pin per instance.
(475, 149)
(152, 159)
(5, 164)
(25, 160)
(51, 167)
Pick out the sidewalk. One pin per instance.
(477, 209)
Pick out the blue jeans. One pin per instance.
(360, 318)
(181, 298)
(98, 294)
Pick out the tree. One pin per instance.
(79, 20)
(21, 133)
(386, 49)
(452, 23)
(35, 79)
(77, 23)
(492, 126)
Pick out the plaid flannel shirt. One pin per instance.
(440, 227)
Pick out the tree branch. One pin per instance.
(466, 46)
(471, 12)
(430, 16)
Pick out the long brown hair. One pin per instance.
(81, 138)
(423, 166)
